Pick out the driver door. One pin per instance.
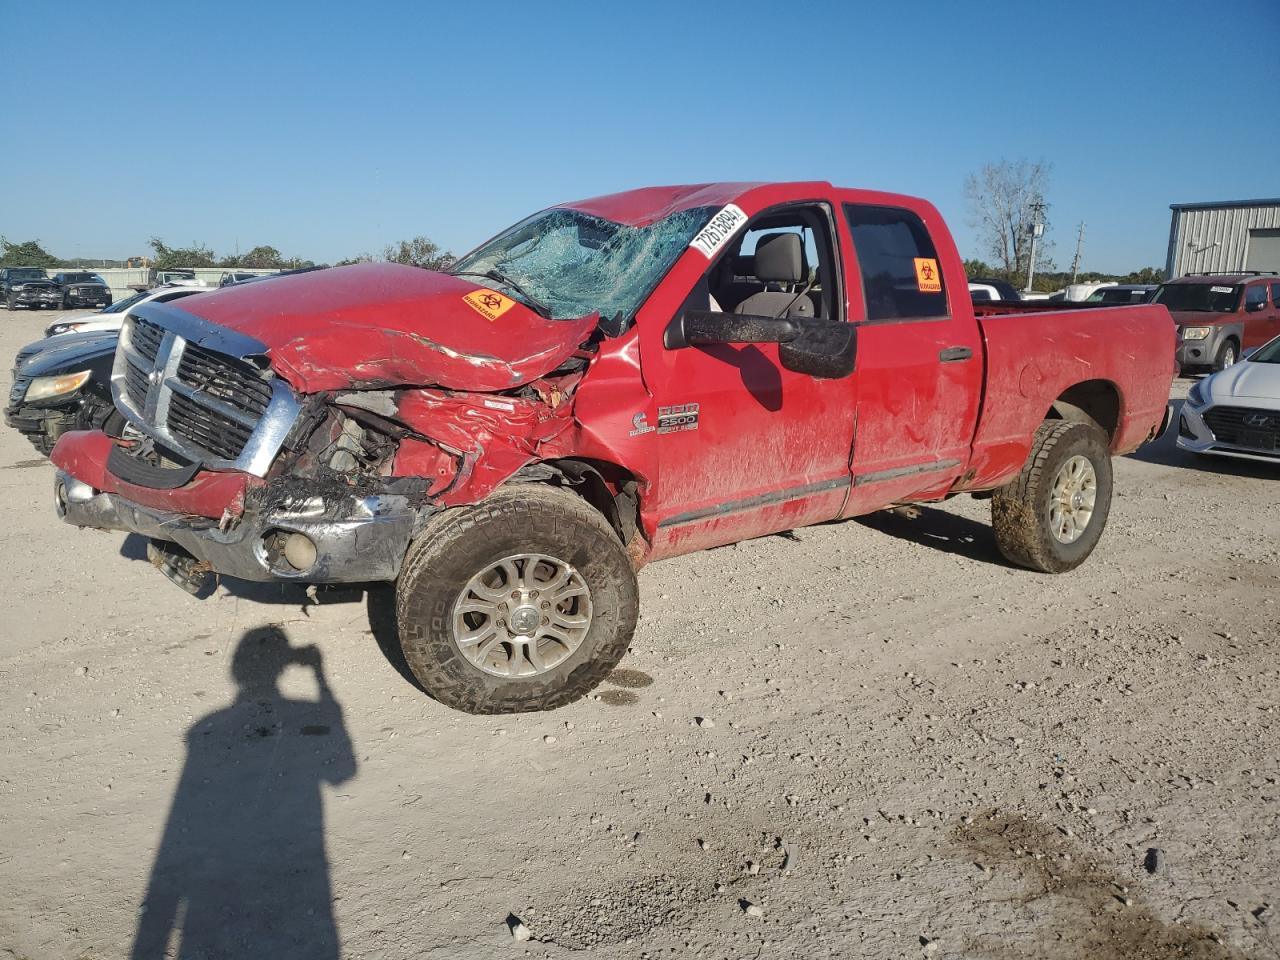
(747, 447)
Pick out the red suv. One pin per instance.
(1220, 314)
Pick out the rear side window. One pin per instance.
(901, 276)
(1275, 295)
(1255, 296)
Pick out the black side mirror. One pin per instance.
(818, 348)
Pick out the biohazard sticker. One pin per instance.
(928, 280)
(718, 231)
(488, 304)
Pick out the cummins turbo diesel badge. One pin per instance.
(720, 228)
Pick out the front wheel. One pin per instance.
(1227, 356)
(1051, 516)
(522, 602)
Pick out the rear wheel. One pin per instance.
(1228, 353)
(522, 602)
(1051, 517)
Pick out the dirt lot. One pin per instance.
(876, 732)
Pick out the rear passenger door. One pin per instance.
(919, 361)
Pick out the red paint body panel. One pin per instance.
(83, 454)
(385, 324)
(772, 449)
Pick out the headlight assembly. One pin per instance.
(1195, 333)
(45, 388)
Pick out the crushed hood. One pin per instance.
(372, 325)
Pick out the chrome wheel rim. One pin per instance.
(1228, 357)
(1071, 502)
(522, 616)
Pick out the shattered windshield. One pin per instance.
(1204, 297)
(576, 263)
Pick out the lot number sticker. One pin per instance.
(488, 304)
(717, 232)
(927, 278)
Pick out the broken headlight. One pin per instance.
(46, 388)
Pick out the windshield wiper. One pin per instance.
(539, 307)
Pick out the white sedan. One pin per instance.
(1236, 413)
(112, 318)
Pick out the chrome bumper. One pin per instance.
(357, 539)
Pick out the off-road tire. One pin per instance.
(9, 304)
(1228, 349)
(1020, 509)
(461, 542)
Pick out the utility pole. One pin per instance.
(1036, 231)
(1075, 264)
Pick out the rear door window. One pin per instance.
(901, 276)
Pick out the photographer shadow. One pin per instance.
(241, 870)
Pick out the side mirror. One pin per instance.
(818, 348)
(1255, 306)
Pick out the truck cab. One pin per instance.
(1220, 315)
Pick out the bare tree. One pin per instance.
(419, 252)
(1004, 200)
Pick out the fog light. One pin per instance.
(300, 551)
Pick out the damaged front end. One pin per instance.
(238, 474)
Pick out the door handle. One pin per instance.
(955, 354)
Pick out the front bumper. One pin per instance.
(42, 299)
(1196, 435)
(357, 539)
(88, 300)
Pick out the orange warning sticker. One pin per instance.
(488, 304)
(927, 278)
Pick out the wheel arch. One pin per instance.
(1090, 401)
(611, 489)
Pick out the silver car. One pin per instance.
(1236, 413)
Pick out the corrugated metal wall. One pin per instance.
(1215, 238)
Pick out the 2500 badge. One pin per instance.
(682, 416)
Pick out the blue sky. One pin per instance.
(329, 129)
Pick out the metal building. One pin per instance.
(1224, 237)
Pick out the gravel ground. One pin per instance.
(866, 739)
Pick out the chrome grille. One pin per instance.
(211, 405)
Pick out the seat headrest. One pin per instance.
(780, 258)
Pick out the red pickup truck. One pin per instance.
(606, 383)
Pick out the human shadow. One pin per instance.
(241, 871)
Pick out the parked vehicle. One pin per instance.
(81, 289)
(1122, 293)
(508, 442)
(28, 287)
(63, 384)
(982, 292)
(113, 316)
(1236, 412)
(1004, 290)
(176, 277)
(1220, 315)
(1079, 292)
(238, 276)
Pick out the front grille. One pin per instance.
(232, 381)
(207, 429)
(145, 338)
(18, 390)
(1246, 427)
(199, 402)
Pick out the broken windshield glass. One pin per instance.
(576, 263)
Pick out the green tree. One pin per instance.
(26, 254)
(1145, 275)
(262, 258)
(977, 268)
(168, 258)
(419, 252)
